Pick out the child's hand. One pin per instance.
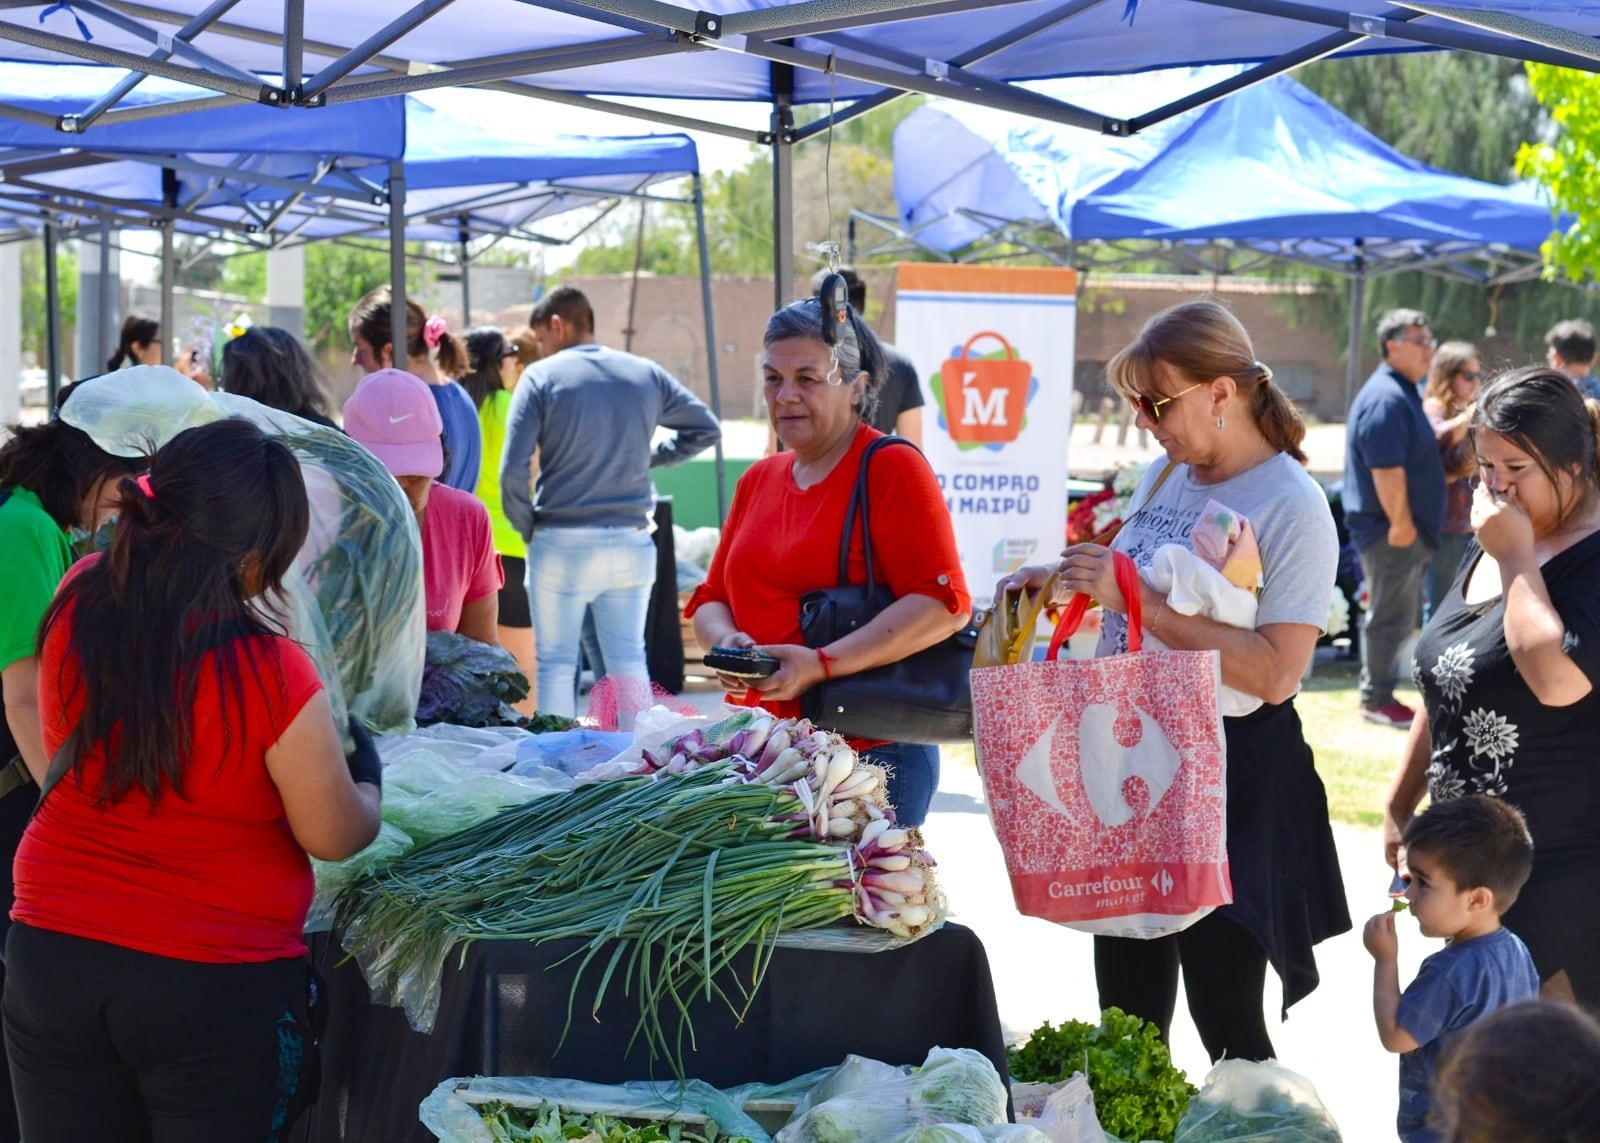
(1380, 938)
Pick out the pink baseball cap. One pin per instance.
(396, 418)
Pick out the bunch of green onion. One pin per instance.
(666, 882)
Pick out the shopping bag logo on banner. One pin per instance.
(1105, 782)
(985, 398)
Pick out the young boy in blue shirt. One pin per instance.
(1467, 859)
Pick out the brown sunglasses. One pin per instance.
(1151, 406)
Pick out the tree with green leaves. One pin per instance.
(1564, 165)
(1462, 112)
(33, 307)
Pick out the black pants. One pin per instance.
(1224, 972)
(119, 1046)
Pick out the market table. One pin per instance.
(503, 1010)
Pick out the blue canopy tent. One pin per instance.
(242, 172)
(1271, 173)
(193, 171)
(777, 52)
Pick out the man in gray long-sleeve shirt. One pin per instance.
(591, 412)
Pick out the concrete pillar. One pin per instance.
(99, 303)
(10, 331)
(286, 289)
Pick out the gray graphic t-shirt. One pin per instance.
(1289, 514)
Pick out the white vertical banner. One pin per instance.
(994, 349)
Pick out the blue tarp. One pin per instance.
(1272, 166)
(500, 178)
(371, 130)
(507, 177)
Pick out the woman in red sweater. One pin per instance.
(781, 539)
(156, 985)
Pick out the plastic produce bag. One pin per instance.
(1063, 1112)
(354, 596)
(451, 1110)
(966, 1133)
(333, 876)
(429, 797)
(866, 1101)
(570, 751)
(1259, 1102)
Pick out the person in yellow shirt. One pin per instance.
(492, 359)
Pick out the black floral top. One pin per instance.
(1490, 735)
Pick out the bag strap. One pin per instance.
(59, 765)
(1128, 582)
(859, 507)
(1110, 533)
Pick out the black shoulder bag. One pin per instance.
(925, 697)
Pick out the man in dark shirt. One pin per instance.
(1394, 493)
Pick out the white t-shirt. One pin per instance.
(1289, 514)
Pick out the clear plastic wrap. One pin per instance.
(451, 1110)
(355, 596)
(1262, 1102)
(966, 1133)
(865, 1101)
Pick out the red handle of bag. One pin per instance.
(1128, 583)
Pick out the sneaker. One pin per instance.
(1396, 714)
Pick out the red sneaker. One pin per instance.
(1396, 714)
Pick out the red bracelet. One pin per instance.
(824, 658)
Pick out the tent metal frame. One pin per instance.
(644, 29)
(56, 213)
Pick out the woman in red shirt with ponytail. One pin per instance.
(156, 985)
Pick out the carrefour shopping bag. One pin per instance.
(1105, 781)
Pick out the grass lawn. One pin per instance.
(1356, 759)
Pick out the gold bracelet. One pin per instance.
(1160, 607)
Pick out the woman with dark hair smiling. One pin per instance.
(1508, 663)
(156, 983)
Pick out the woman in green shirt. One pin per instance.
(53, 481)
(494, 369)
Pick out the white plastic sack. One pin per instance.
(355, 596)
(866, 1101)
(966, 1133)
(1062, 1112)
(1194, 587)
(451, 1110)
(1258, 1102)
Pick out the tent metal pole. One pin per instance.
(782, 184)
(711, 341)
(294, 56)
(397, 263)
(462, 236)
(105, 336)
(52, 318)
(169, 309)
(1358, 321)
(169, 318)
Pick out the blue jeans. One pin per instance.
(612, 571)
(913, 778)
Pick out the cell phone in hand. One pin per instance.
(741, 662)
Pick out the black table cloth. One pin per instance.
(502, 1013)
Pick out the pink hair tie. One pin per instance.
(433, 330)
(144, 485)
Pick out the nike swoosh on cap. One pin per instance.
(397, 420)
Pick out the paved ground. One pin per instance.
(1045, 972)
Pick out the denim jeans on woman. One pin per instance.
(611, 570)
(913, 778)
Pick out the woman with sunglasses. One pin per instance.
(1448, 397)
(1233, 437)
